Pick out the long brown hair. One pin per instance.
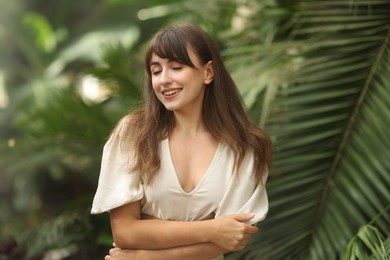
(223, 111)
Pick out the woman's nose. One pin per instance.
(165, 77)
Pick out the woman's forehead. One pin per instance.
(156, 59)
(189, 59)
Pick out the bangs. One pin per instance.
(169, 45)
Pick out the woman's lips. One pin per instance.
(171, 92)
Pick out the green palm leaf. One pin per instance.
(367, 242)
(328, 115)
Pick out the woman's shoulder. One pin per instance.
(125, 126)
(130, 119)
(228, 149)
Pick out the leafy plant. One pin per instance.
(367, 244)
(323, 97)
(314, 74)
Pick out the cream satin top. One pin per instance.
(219, 192)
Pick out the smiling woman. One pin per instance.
(184, 176)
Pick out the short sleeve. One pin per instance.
(245, 195)
(117, 186)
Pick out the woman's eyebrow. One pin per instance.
(159, 64)
(154, 63)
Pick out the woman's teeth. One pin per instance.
(171, 92)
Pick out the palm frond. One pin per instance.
(367, 243)
(328, 119)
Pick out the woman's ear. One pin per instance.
(209, 73)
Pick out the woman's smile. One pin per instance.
(171, 92)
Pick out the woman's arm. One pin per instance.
(191, 252)
(131, 232)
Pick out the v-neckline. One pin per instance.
(173, 170)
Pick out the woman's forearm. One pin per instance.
(132, 232)
(191, 252)
(160, 234)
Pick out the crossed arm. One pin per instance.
(146, 239)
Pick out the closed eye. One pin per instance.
(176, 65)
(156, 72)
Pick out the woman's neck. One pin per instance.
(191, 125)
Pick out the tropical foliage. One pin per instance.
(314, 74)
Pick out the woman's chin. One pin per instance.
(170, 108)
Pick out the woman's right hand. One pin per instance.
(230, 231)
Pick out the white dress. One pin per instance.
(219, 192)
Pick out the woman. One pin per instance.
(183, 177)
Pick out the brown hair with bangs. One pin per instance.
(223, 111)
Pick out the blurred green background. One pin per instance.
(314, 74)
